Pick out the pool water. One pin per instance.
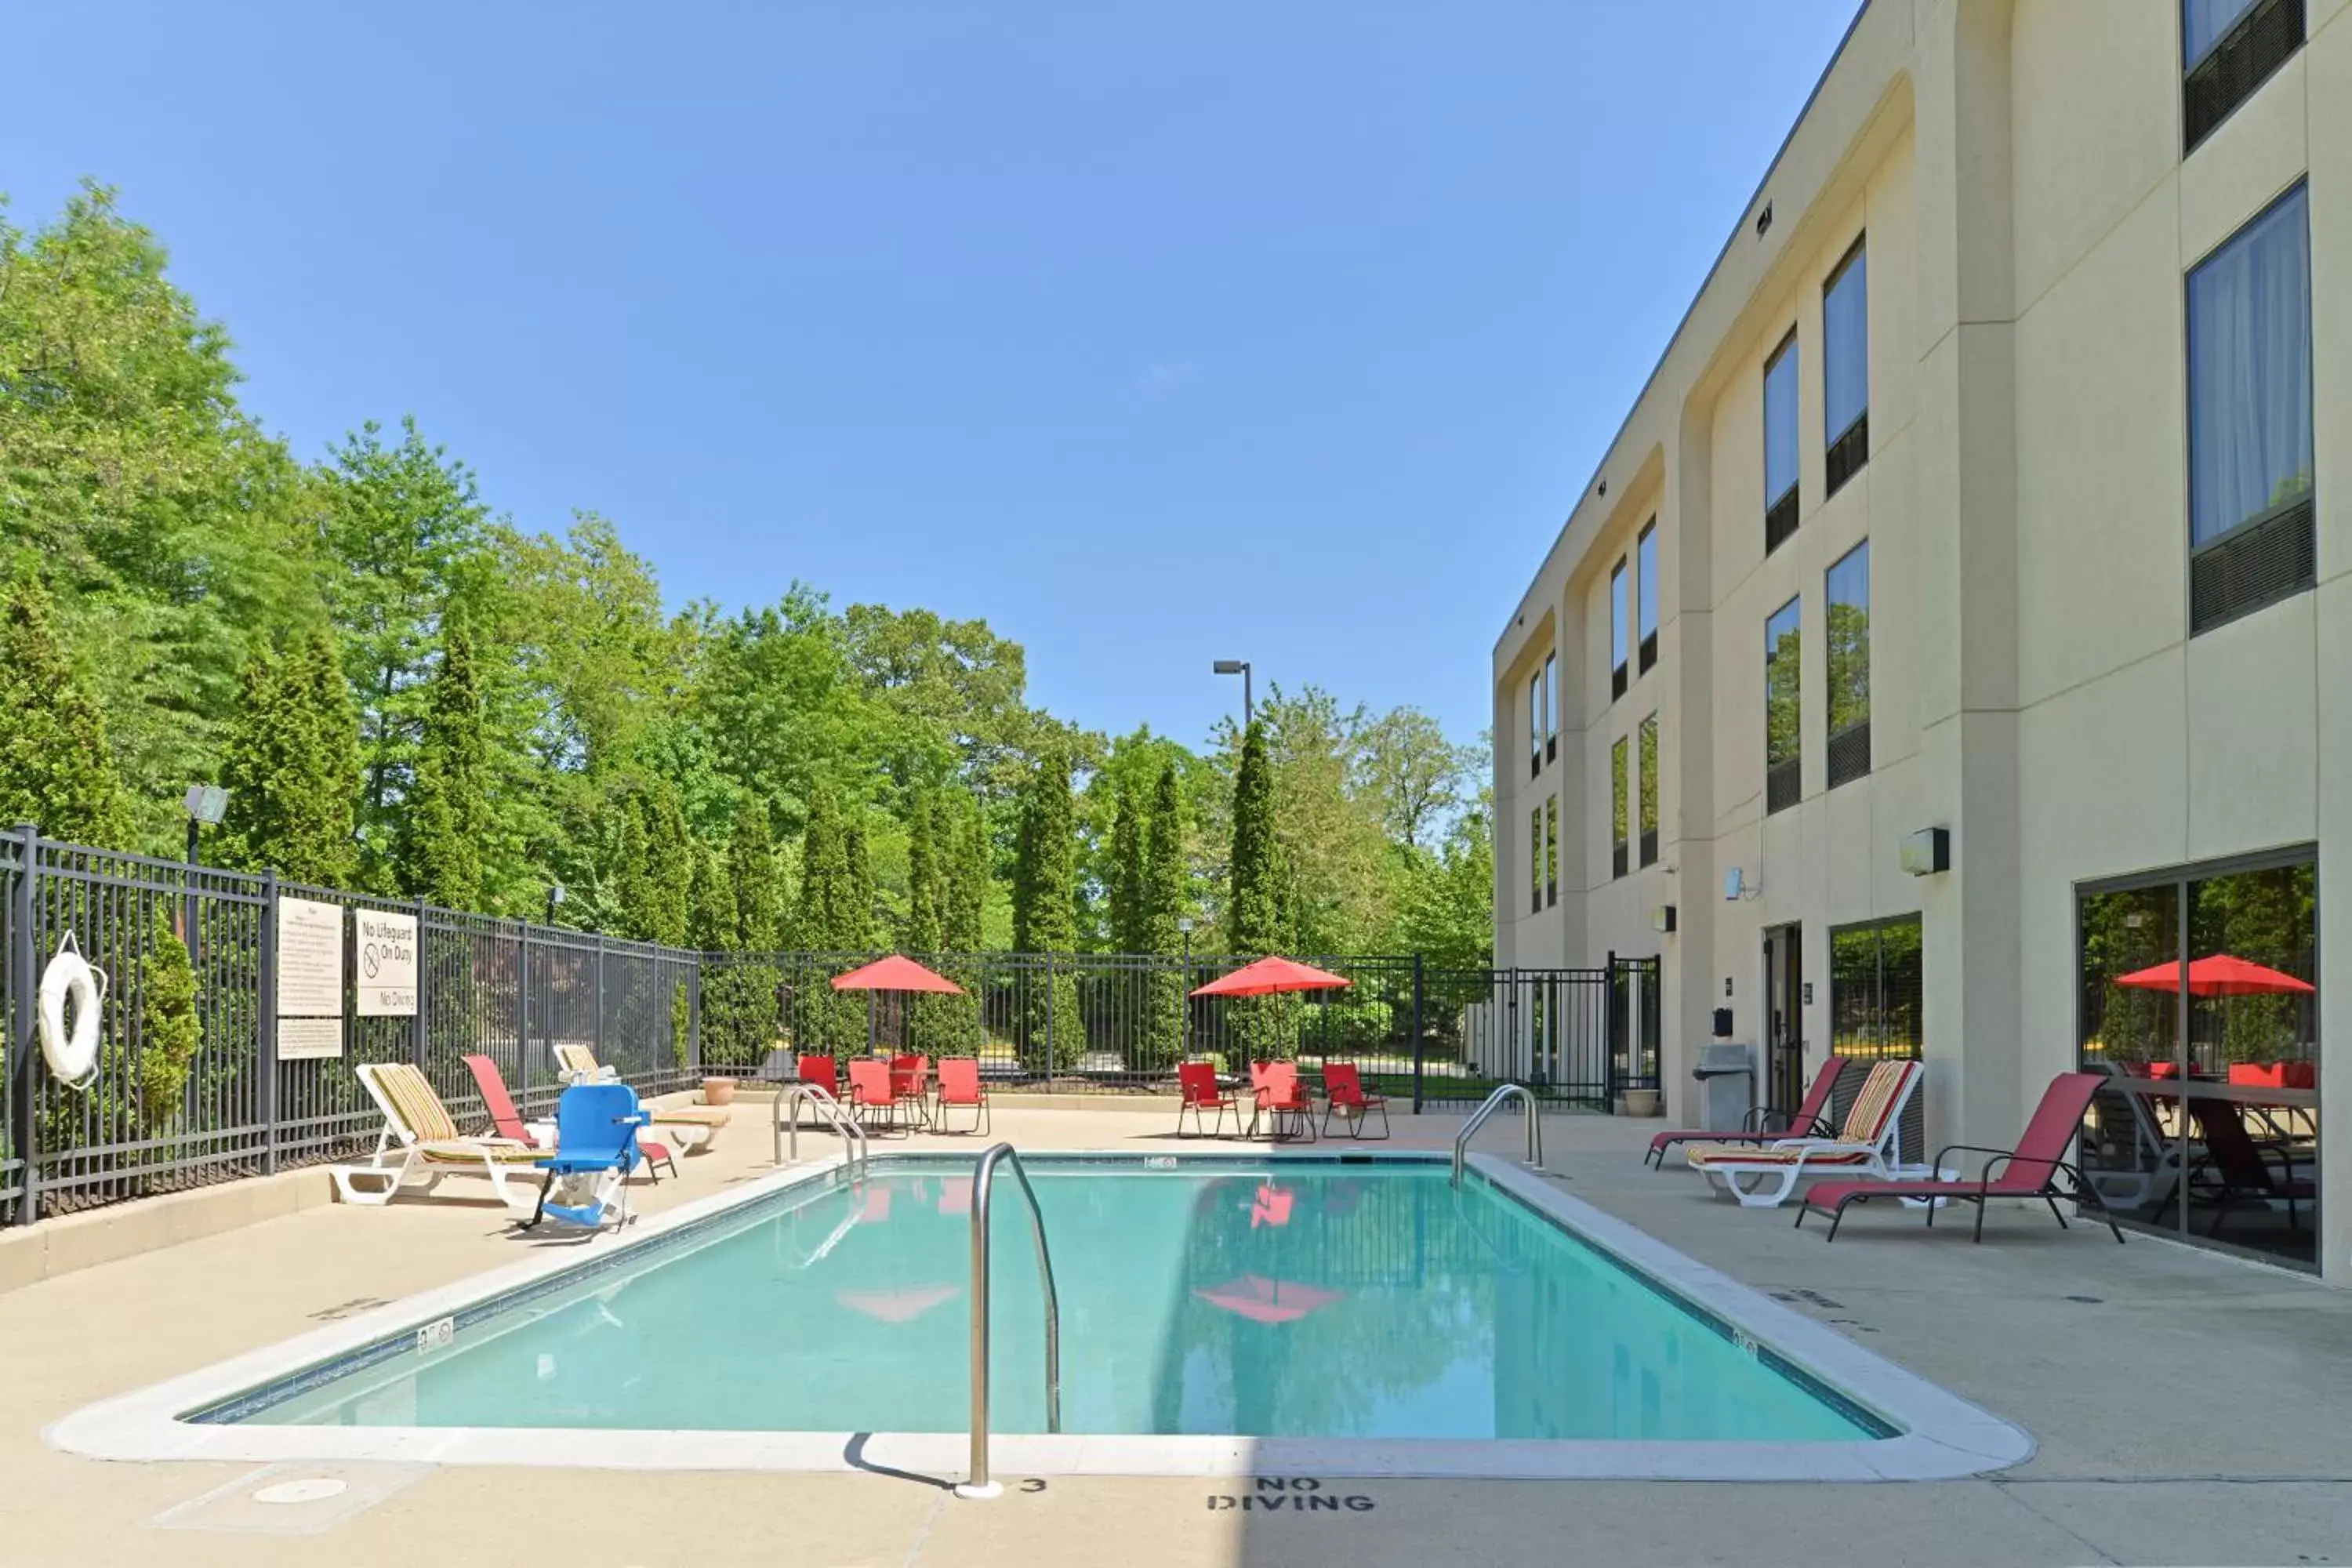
(1280, 1299)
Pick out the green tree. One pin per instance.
(1448, 908)
(56, 769)
(292, 766)
(1166, 902)
(445, 817)
(710, 906)
(1045, 915)
(157, 514)
(753, 884)
(1254, 902)
(1126, 878)
(404, 526)
(170, 1031)
(656, 875)
(1409, 773)
(858, 907)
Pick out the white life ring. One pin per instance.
(72, 1057)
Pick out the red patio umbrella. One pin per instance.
(2219, 974)
(1264, 1300)
(1268, 975)
(898, 1306)
(895, 974)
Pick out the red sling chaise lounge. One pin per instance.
(1810, 1120)
(2029, 1171)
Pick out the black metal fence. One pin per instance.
(506, 989)
(149, 1122)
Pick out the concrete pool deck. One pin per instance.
(2188, 1409)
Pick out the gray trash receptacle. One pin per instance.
(1727, 1085)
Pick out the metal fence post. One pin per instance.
(1611, 1017)
(596, 1030)
(1420, 1039)
(23, 1045)
(266, 1055)
(416, 1038)
(522, 1009)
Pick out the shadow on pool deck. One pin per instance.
(2189, 1411)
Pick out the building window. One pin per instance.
(1551, 850)
(1847, 646)
(1783, 711)
(1535, 860)
(2200, 1004)
(1535, 724)
(1780, 443)
(1877, 1003)
(1552, 707)
(1619, 614)
(1645, 556)
(1619, 810)
(2252, 538)
(1845, 368)
(2227, 49)
(1647, 759)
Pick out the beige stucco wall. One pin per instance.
(2016, 167)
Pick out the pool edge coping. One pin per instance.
(1942, 1437)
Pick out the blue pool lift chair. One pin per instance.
(596, 1135)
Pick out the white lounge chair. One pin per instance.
(421, 1141)
(1866, 1145)
(694, 1126)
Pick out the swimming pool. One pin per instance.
(1350, 1315)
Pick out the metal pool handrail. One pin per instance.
(983, 1180)
(853, 1136)
(1478, 1119)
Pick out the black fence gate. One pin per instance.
(1579, 1036)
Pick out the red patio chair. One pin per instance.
(2029, 1171)
(492, 1083)
(1810, 1119)
(823, 1072)
(960, 1086)
(870, 1095)
(1280, 1095)
(910, 1086)
(2235, 1169)
(1343, 1093)
(1197, 1081)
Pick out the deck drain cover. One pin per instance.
(292, 1498)
(317, 1488)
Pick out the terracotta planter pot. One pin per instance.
(1642, 1102)
(718, 1092)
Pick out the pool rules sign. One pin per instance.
(310, 980)
(387, 964)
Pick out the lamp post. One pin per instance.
(554, 900)
(1237, 667)
(205, 805)
(1183, 987)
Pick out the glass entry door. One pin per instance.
(1784, 1046)
(2200, 1001)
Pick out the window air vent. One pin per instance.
(1783, 784)
(1780, 522)
(1848, 453)
(2231, 70)
(2253, 564)
(1850, 754)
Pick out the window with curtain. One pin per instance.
(1646, 759)
(1620, 610)
(1620, 812)
(1535, 724)
(1780, 443)
(1551, 849)
(1645, 556)
(1845, 367)
(1846, 647)
(2250, 526)
(2250, 442)
(1551, 706)
(1783, 707)
(1535, 860)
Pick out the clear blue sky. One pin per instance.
(1152, 334)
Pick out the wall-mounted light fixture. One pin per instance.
(1928, 851)
(1662, 919)
(1764, 220)
(1735, 887)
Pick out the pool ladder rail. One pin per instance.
(788, 1116)
(984, 1182)
(1495, 1101)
